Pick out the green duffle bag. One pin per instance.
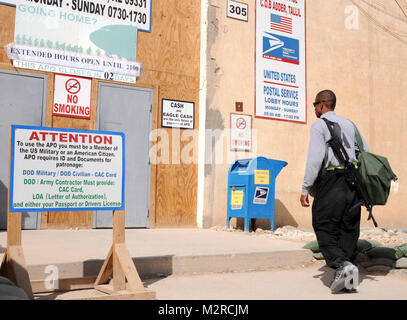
(376, 173)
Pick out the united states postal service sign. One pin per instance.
(54, 169)
(280, 60)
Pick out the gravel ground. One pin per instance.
(382, 235)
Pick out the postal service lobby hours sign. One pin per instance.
(280, 60)
(65, 169)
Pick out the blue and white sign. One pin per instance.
(60, 29)
(281, 48)
(54, 169)
(54, 39)
(131, 12)
(280, 60)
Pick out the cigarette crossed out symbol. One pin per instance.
(241, 123)
(72, 86)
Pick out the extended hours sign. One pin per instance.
(280, 60)
(64, 169)
(72, 96)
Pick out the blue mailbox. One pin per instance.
(251, 189)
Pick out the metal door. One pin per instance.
(129, 110)
(22, 101)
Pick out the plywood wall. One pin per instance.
(7, 17)
(170, 57)
(170, 54)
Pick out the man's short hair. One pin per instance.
(329, 98)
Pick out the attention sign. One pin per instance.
(72, 96)
(64, 169)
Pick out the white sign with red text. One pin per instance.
(240, 132)
(72, 96)
(54, 169)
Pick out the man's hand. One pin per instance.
(304, 201)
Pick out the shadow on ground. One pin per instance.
(150, 270)
(282, 217)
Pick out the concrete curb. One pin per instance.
(156, 266)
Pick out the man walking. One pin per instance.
(336, 226)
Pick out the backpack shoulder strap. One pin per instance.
(358, 138)
(336, 144)
(329, 124)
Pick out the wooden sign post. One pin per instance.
(13, 266)
(117, 267)
(120, 263)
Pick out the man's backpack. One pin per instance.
(372, 178)
(376, 173)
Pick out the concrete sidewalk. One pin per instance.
(311, 283)
(157, 252)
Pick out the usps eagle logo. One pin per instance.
(271, 43)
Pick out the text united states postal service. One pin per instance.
(280, 60)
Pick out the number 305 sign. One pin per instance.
(238, 10)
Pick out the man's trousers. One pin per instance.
(336, 226)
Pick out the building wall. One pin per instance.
(170, 57)
(364, 66)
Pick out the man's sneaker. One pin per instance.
(352, 277)
(338, 283)
(350, 290)
(346, 278)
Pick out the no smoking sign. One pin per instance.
(241, 123)
(72, 96)
(72, 86)
(240, 132)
